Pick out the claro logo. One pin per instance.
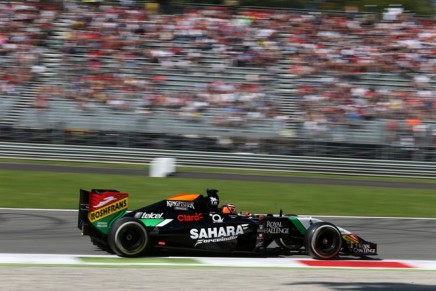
(186, 217)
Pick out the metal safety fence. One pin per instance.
(285, 163)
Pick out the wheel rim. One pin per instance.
(131, 239)
(327, 242)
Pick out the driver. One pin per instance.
(213, 203)
(228, 209)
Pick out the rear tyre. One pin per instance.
(323, 241)
(128, 237)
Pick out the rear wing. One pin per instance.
(98, 209)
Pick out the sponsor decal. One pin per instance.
(180, 205)
(105, 201)
(214, 201)
(186, 217)
(217, 234)
(151, 215)
(101, 224)
(364, 249)
(352, 238)
(216, 218)
(107, 210)
(276, 227)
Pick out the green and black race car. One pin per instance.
(195, 223)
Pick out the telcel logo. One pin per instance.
(151, 215)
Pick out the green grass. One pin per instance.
(60, 190)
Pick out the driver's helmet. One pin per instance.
(228, 209)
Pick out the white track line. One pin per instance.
(49, 259)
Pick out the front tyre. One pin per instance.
(128, 237)
(323, 241)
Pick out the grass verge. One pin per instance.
(31, 189)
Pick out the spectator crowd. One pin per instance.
(116, 56)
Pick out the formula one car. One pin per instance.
(194, 222)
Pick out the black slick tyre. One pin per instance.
(128, 237)
(323, 241)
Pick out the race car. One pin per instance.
(195, 223)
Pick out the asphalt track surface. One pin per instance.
(55, 232)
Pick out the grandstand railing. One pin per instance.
(325, 165)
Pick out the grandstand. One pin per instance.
(215, 79)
